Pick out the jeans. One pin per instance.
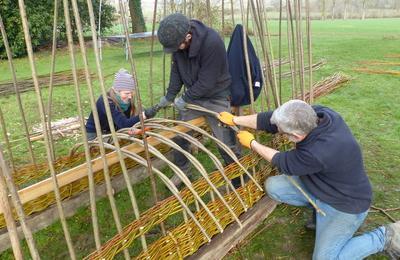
(224, 134)
(334, 238)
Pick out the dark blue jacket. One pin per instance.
(202, 69)
(121, 119)
(240, 94)
(328, 161)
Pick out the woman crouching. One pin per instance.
(121, 100)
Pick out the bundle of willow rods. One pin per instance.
(24, 85)
(315, 66)
(327, 85)
(377, 62)
(373, 71)
(392, 56)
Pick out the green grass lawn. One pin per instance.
(369, 104)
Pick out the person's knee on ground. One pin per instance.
(272, 187)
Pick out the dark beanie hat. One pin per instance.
(172, 31)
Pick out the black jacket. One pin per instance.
(202, 69)
(237, 68)
(328, 161)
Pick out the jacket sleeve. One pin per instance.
(212, 61)
(264, 122)
(296, 162)
(119, 118)
(175, 82)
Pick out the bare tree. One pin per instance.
(364, 9)
(333, 9)
(323, 11)
(346, 6)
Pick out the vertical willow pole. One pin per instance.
(309, 47)
(247, 61)
(17, 205)
(52, 68)
(290, 43)
(92, 195)
(17, 93)
(280, 50)
(232, 14)
(11, 226)
(145, 143)
(152, 51)
(209, 15)
(7, 141)
(299, 39)
(28, 43)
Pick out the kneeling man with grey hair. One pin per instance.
(327, 164)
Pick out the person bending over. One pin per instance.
(199, 63)
(327, 164)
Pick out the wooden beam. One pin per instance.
(45, 186)
(233, 234)
(50, 215)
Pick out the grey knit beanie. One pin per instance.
(123, 81)
(172, 31)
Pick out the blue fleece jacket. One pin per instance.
(120, 119)
(202, 69)
(328, 161)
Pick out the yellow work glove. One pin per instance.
(245, 138)
(226, 118)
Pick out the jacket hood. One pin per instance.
(199, 33)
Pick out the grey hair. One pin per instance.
(295, 117)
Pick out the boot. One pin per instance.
(392, 245)
(177, 181)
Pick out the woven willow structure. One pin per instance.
(206, 206)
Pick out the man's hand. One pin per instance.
(164, 102)
(151, 111)
(226, 118)
(180, 103)
(245, 138)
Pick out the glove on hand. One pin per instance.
(245, 138)
(151, 112)
(164, 102)
(180, 103)
(135, 131)
(226, 118)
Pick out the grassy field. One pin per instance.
(369, 104)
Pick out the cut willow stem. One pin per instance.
(306, 195)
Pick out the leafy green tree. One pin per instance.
(40, 17)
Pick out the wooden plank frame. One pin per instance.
(45, 186)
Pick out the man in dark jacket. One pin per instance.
(199, 63)
(327, 164)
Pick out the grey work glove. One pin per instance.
(164, 102)
(151, 111)
(180, 103)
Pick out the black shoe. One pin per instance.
(311, 224)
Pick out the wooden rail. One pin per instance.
(45, 186)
